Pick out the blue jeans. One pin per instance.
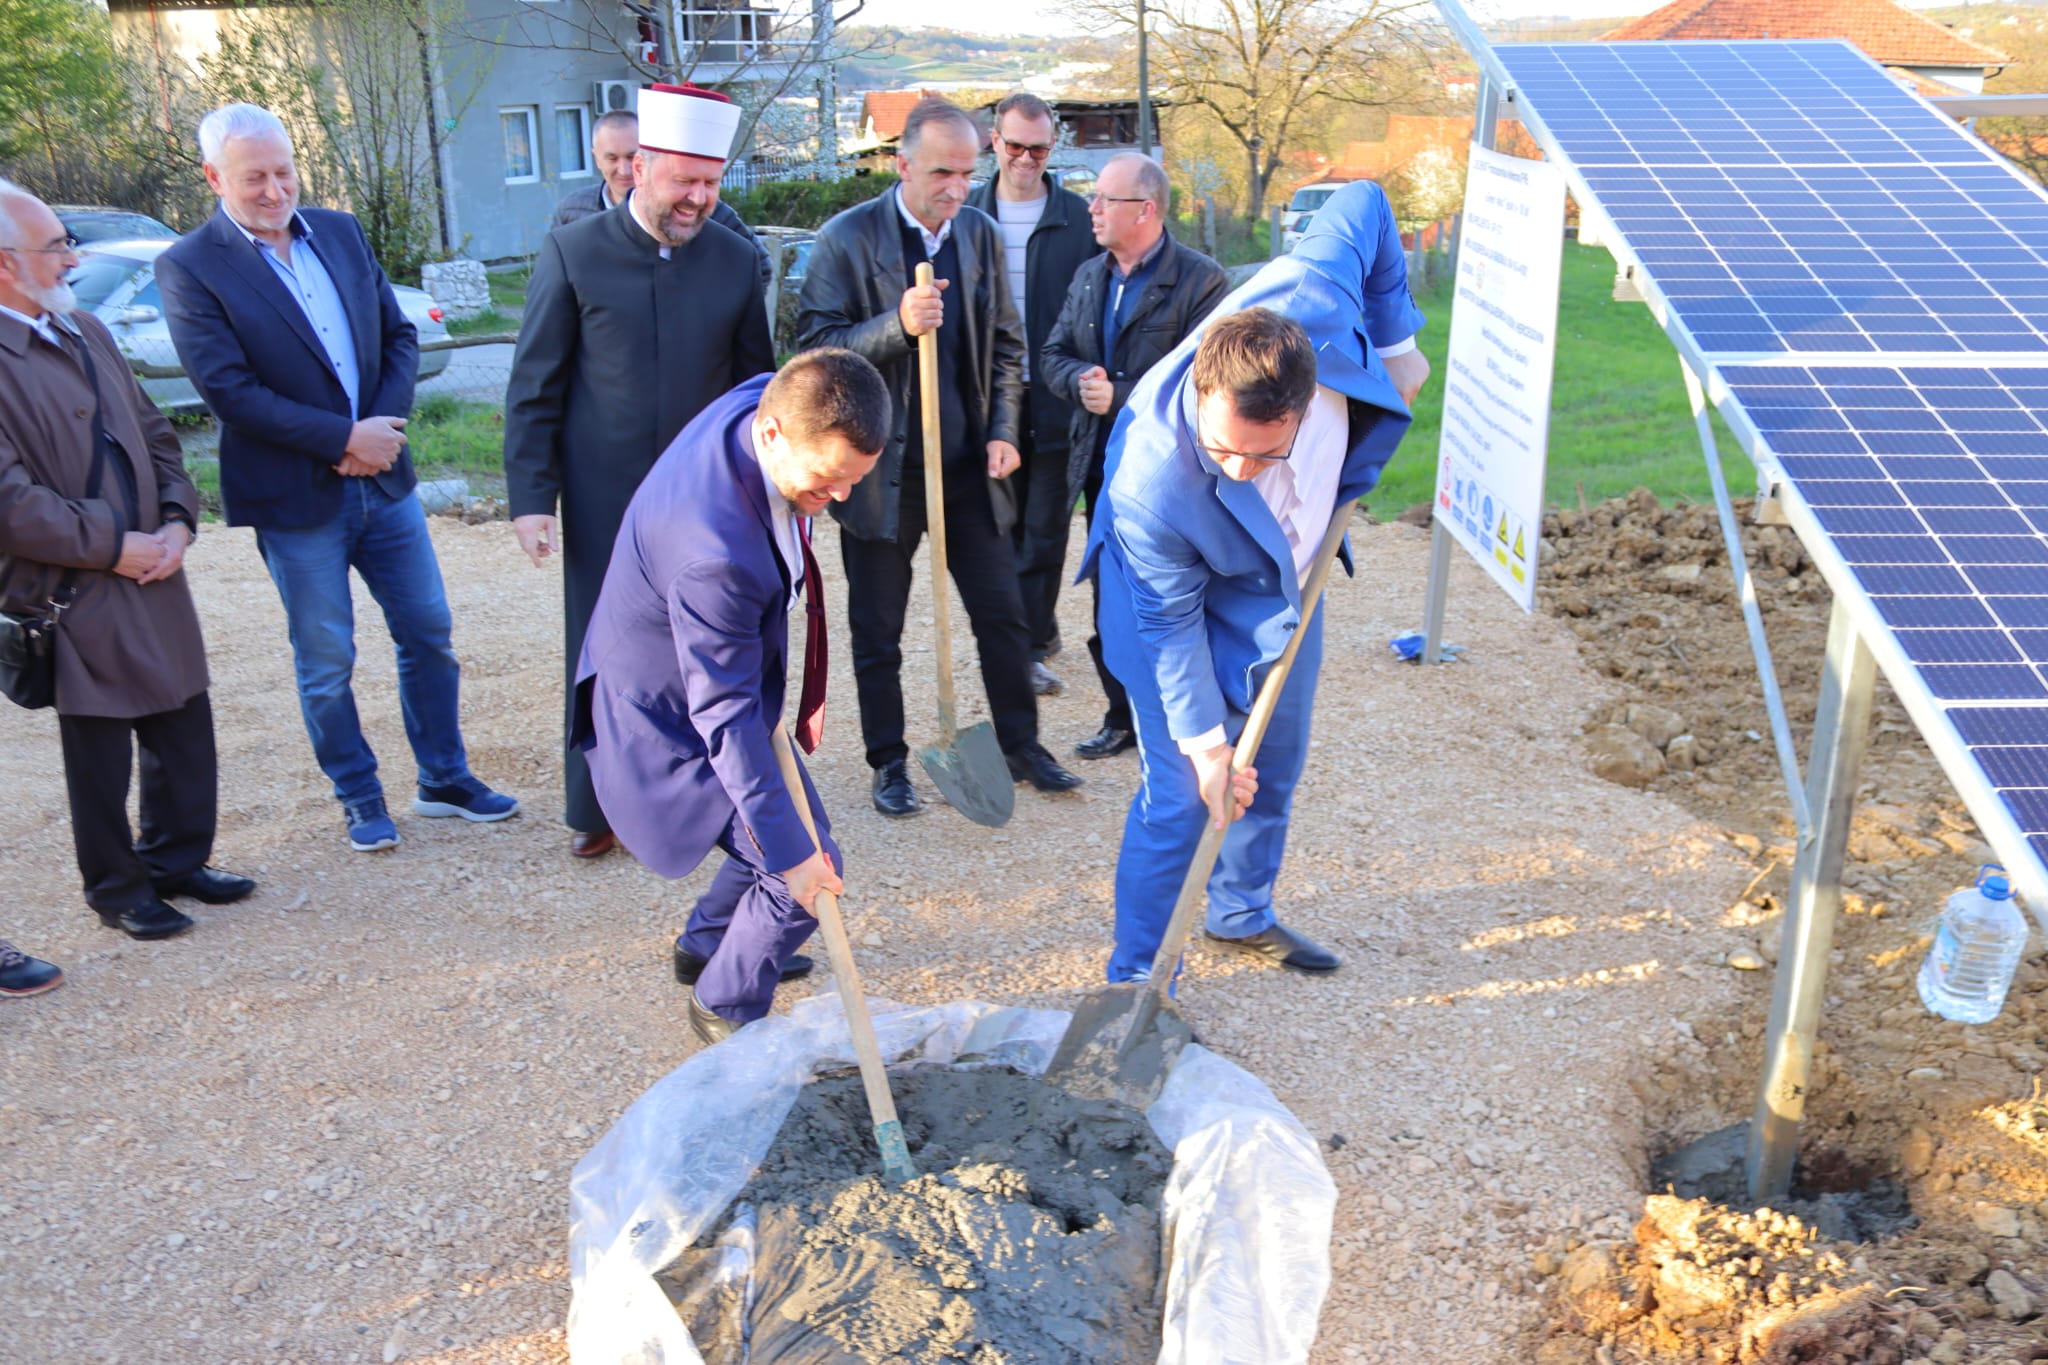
(1167, 814)
(384, 540)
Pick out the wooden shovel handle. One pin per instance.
(840, 951)
(1194, 886)
(935, 516)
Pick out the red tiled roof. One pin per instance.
(1886, 33)
(890, 109)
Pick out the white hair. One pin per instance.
(10, 231)
(231, 121)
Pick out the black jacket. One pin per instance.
(850, 298)
(1184, 287)
(1063, 239)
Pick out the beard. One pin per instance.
(55, 298)
(674, 234)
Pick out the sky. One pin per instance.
(1042, 17)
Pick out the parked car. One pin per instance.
(117, 281)
(94, 223)
(1301, 210)
(797, 251)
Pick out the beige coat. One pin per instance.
(123, 650)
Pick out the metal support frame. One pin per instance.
(1752, 613)
(1841, 732)
(1485, 119)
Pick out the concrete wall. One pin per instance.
(530, 55)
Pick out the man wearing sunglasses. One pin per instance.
(1235, 452)
(1046, 237)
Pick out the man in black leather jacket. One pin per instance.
(860, 293)
(1161, 291)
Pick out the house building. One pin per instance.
(1923, 52)
(509, 88)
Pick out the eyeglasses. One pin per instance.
(1219, 455)
(68, 249)
(1095, 199)
(1037, 151)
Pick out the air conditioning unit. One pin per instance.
(617, 96)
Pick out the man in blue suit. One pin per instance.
(1221, 479)
(289, 330)
(685, 661)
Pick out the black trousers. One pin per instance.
(1045, 513)
(1117, 716)
(878, 574)
(180, 795)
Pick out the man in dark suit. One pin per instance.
(614, 143)
(1128, 308)
(1046, 236)
(684, 668)
(96, 514)
(635, 320)
(287, 327)
(860, 294)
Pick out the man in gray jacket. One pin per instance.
(860, 293)
(1128, 308)
(614, 139)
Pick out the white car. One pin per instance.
(117, 281)
(1300, 210)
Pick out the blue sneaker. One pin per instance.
(468, 798)
(370, 827)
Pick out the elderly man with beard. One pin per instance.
(636, 320)
(95, 515)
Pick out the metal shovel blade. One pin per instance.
(973, 775)
(1120, 1044)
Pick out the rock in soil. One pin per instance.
(1030, 1235)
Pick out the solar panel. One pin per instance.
(1793, 198)
(1933, 489)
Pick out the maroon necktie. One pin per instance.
(810, 707)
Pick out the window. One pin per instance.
(522, 145)
(572, 139)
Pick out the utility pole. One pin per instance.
(1144, 89)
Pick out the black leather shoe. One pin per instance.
(710, 1028)
(689, 967)
(1044, 682)
(209, 886)
(1296, 952)
(1052, 649)
(894, 796)
(152, 919)
(1107, 742)
(1031, 763)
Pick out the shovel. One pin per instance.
(967, 766)
(1123, 1039)
(881, 1104)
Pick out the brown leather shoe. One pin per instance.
(583, 845)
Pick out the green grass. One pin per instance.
(1618, 415)
(508, 289)
(490, 320)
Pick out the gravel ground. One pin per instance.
(336, 1122)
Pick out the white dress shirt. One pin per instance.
(1301, 491)
(932, 240)
(789, 543)
(41, 325)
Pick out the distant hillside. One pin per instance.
(1554, 29)
(889, 57)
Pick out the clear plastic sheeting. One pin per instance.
(1247, 1210)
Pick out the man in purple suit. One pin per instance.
(683, 669)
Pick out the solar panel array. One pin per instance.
(1792, 197)
(1870, 284)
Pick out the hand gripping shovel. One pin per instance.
(888, 1130)
(966, 765)
(1123, 1039)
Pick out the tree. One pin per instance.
(74, 124)
(1262, 69)
(354, 83)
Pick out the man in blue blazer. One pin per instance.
(287, 327)
(684, 664)
(1221, 477)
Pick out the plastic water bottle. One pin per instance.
(1977, 946)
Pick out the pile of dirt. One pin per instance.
(1898, 1097)
(1031, 1235)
